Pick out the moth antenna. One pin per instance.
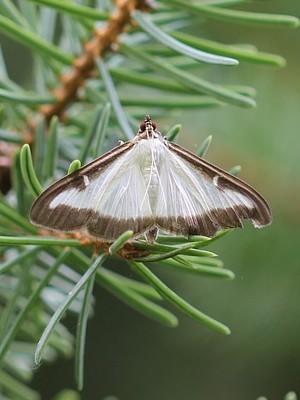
(154, 167)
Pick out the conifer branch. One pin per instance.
(103, 41)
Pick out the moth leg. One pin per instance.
(120, 142)
(151, 235)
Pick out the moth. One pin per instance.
(146, 185)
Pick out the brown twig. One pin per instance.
(102, 42)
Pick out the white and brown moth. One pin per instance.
(147, 185)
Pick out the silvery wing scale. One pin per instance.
(147, 185)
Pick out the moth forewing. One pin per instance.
(244, 201)
(144, 185)
(95, 199)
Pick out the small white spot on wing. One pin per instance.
(86, 180)
(215, 180)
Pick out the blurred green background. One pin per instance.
(133, 358)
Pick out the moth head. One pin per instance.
(147, 126)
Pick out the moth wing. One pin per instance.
(105, 198)
(203, 199)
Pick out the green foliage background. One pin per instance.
(130, 356)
